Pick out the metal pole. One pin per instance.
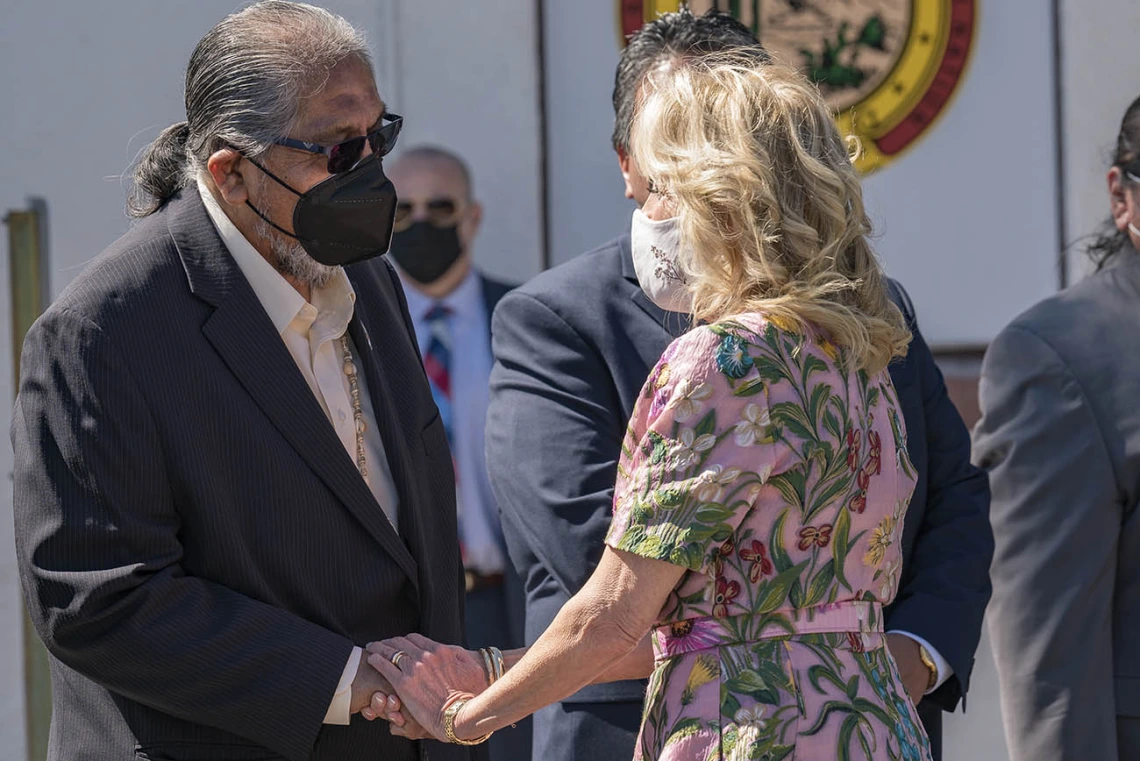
(1061, 175)
(545, 259)
(28, 284)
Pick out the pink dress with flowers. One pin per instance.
(780, 482)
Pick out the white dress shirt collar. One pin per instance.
(332, 305)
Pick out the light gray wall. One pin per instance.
(587, 207)
(966, 217)
(465, 76)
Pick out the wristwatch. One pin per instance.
(928, 661)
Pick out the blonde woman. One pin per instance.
(764, 478)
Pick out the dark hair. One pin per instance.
(244, 85)
(671, 35)
(1111, 241)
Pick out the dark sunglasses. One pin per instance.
(346, 155)
(441, 212)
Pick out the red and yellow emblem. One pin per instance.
(888, 67)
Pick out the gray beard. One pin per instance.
(292, 260)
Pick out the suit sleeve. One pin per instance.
(946, 585)
(553, 438)
(97, 539)
(1056, 516)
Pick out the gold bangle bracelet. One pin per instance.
(449, 725)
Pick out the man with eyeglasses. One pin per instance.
(230, 474)
(450, 302)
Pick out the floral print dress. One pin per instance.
(779, 481)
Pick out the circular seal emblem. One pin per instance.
(887, 67)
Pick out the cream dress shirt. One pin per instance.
(311, 332)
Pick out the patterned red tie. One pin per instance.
(437, 363)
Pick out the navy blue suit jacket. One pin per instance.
(493, 293)
(573, 348)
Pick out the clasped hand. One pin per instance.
(428, 678)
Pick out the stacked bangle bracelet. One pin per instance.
(494, 664)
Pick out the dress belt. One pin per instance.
(695, 634)
(477, 582)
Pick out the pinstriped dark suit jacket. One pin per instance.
(196, 547)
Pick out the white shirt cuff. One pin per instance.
(943, 668)
(340, 709)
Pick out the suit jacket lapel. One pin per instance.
(392, 370)
(397, 437)
(242, 334)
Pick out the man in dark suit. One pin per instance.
(1060, 438)
(451, 302)
(230, 474)
(573, 348)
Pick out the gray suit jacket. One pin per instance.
(197, 549)
(1060, 437)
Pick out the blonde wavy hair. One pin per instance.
(770, 204)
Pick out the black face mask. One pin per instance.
(424, 251)
(345, 219)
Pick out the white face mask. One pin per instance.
(656, 247)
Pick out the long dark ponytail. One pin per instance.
(161, 171)
(1111, 241)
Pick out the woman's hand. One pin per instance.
(429, 678)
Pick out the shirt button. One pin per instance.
(341, 415)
